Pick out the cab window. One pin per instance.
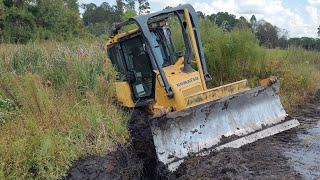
(138, 62)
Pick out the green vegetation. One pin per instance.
(231, 55)
(101, 19)
(56, 105)
(307, 43)
(298, 70)
(56, 98)
(23, 21)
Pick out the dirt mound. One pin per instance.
(260, 160)
(229, 164)
(121, 164)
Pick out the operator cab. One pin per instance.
(132, 60)
(141, 55)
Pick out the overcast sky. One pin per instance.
(299, 17)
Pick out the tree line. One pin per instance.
(101, 19)
(269, 36)
(25, 20)
(22, 21)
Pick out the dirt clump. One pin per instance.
(229, 164)
(260, 160)
(120, 164)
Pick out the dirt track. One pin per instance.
(293, 154)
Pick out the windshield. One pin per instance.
(166, 46)
(137, 61)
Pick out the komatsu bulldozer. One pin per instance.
(187, 117)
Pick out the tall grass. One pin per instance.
(231, 55)
(298, 70)
(55, 105)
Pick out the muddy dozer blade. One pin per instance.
(232, 121)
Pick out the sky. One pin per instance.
(300, 18)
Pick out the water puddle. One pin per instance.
(305, 155)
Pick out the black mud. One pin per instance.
(293, 154)
(121, 164)
(135, 161)
(304, 152)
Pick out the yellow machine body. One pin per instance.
(189, 88)
(188, 118)
(190, 92)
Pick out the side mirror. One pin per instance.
(179, 54)
(131, 77)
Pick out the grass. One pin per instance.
(298, 71)
(56, 105)
(56, 99)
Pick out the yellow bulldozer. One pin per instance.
(187, 117)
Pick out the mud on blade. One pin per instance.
(228, 122)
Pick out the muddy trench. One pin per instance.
(293, 154)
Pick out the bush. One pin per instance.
(231, 55)
(298, 70)
(18, 26)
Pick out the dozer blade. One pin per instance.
(231, 121)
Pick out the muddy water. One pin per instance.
(305, 155)
(294, 154)
(304, 151)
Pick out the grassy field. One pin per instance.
(56, 99)
(298, 71)
(55, 105)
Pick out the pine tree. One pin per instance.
(144, 6)
(253, 22)
(119, 6)
(253, 19)
(130, 4)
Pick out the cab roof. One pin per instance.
(143, 20)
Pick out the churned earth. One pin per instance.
(293, 154)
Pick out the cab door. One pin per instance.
(139, 68)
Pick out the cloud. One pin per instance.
(204, 7)
(312, 17)
(273, 11)
(216, 6)
(314, 2)
(165, 3)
